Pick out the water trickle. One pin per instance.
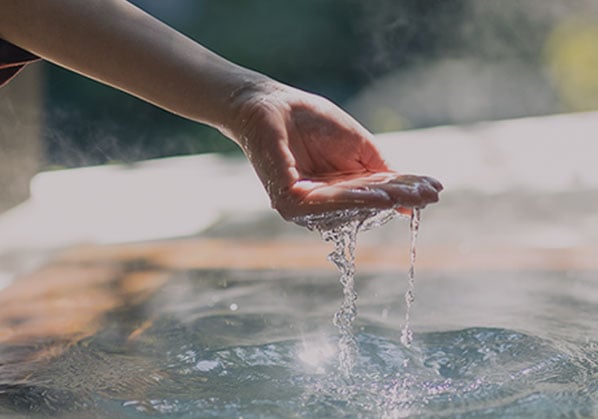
(343, 256)
(407, 333)
(341, 228)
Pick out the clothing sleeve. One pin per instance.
(12, 60)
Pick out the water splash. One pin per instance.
(343, 257)
(341, 228)
(407, 333)
(200, 362)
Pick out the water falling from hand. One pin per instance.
(343, 256)
(341, 228)
(407, 333)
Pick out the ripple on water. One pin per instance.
(470, 372)
(341, 228)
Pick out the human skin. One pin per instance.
(310, 155)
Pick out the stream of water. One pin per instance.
(220, 343)
(407, 333)
(341, 228)
(260, 344)
(343, 256)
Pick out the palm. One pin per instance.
(314, 158)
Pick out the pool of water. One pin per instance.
(260, 343)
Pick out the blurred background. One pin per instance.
(395, 65)
(497, 99)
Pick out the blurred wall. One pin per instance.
(20, 135)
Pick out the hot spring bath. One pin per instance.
(154, 337)
(237, 321)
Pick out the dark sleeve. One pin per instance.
(12, 60)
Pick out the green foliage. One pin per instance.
(334, 48)
(311, 44)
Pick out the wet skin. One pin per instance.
(313, 158)
(310, 155)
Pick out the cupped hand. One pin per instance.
(313, 158)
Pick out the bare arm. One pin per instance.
(114, 42)
(309, 154)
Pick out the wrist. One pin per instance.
(251, 95)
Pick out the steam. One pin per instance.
(438, 62)
(454, 91)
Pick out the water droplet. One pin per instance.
(341, 228)
(384, 314)
(407, 333)
(206, 365)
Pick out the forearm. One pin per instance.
(116, 43)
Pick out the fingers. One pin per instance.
(370, 191)
(331, 198)
(402, 190)
(412, 190)
(416, 179)
(434, 182)
(414, 196)
(342, 196)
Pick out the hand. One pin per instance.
(313, 158)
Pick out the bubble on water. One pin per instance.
(206, 365)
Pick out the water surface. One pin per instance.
(261, 344)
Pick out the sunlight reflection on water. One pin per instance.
(474, 354)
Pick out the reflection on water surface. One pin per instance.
(132, 338)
